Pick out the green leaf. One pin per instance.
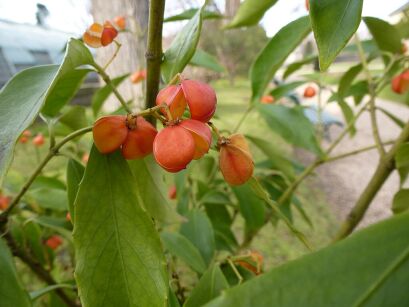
(347, 79)
(75, 118)
(65, 89)
(333, 22)
(210, 286)
(284, 89)
(293, 67)
(198, 229)
(39, 293)
(400, 123)
(103, 93)
(277, 158)
(203, 59)
(182, 248)
(370, 268)
(386, 36)
(401, 201)
(188, 14)
(47, 182)
(24, 95)
(348, 115)
(152, 191)
(75, 172)
(173, 300)
(182, 48)
(292, 125)
(119, 256)
(402, 161)
(60, 225)
(54, 199)
(250, 13)
(11, 289)
(251, 208)
(274, 54)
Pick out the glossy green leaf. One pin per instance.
(401, 201)
(370, 268)
(198, 229)
(210, 286)
(188, 14)
(386, 36)
(39, 293)
(75, 118)
(293, 67)
(292, 125)
(65, 89)
(348, 116)
(48, 182)
(182, 48)
(11, 289)
(60, 225)
(402, 161)
(400, 123)
(333, 22)
(285, 89)
(102, 94)
(251, 208)
(24, 95)
(182, 248)
(75, 172)
(46, 198)
(250, 13)
(203, 59)
(346, 80)
(119, 256)
(274, 54)
(277, 158)
(152, 191)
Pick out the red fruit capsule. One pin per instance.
(253, 262)
(309, 92)
(201, 99)
(4, 202)
(39, 140)
(23, 139)
(400, 83)
(109, 133)
(235, 160)
(307, 5)
(201, 134)
(138, 76)
(53, 242)
(108, 34)
(120, 21)
(173, 96)
(267, 99)
(139, 141)
(174, 148)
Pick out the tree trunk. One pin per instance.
(131, 57)
(231, 7)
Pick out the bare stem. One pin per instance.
(243, 118)
(382, 172)
(118, 46)
(154, 50)
(372, 93)
(108, 81)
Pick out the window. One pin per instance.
(5, 72)
(41, 57)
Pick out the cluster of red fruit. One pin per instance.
(400, 83)
(98, 35)
(182, 139)
(38, 140)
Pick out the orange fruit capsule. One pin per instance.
(138, 76)
(267, 99)
(92, 37)
(201, 99)
(173, 96)
(201, 135)
(120, 22)
(109, 133)
(400, 83)
(235, 160)
(108, 34)
(309, 92)
(38, 140)
(53, 242)
(4, 202)
(174, 148)
(139, 141)
(172, 192)
(253, 263)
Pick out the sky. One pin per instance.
(73, 15)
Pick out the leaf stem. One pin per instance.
(108, 81)
(51, 153)
(118, 46)
(243, 118)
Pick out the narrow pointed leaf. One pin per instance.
(334, 22)
(75, 172)
(386, 36)
(250, 13)
(203, 59)
(370, 268)
(119, 256)
(274, 54)
(188, 14)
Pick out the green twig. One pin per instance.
(118, 46)
(243, 118)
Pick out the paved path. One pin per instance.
(343, 181)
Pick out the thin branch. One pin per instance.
(242, 119)
(37, 268)
(382, 172)
(372, 93)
